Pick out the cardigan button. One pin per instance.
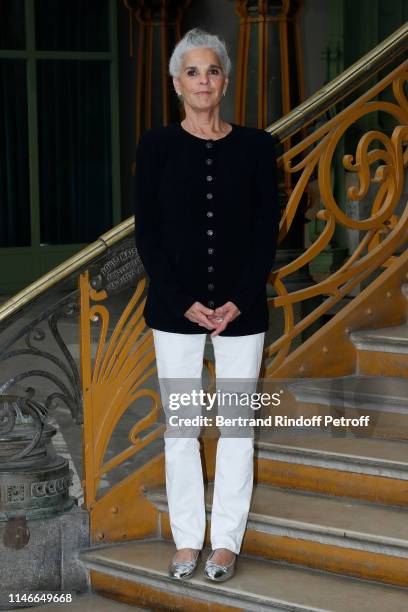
(209, 178)
(208, 161)
(210, 232)
(210, 268)
(211, 286)
(210, 251)
(209, 144)
(211, 303)
(210, 213)
(209, 196)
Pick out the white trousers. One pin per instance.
(181, 356)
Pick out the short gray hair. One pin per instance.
(194, 39)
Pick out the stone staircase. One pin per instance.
(328, 525)
(136, 571)
(383, 398)
(327, 530)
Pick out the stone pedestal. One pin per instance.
(41, 528)
(49, 561)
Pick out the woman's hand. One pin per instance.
(224, 315)
(198, 313)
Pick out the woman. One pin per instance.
(206, 220)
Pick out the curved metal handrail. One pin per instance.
(302, 115)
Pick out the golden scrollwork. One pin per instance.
(379, 159)
(121, 366)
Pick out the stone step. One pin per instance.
(383, 425)
(370, 393)
(383, 399)
(383, 351)
(319, 531)
(393, 339)
(137, 572)
(335, 464)
(90, 602)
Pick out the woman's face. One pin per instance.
(201, 80)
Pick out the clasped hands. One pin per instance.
(216, 320)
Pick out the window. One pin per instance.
(58, 121)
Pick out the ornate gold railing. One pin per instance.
(113, 380)
(383, 231)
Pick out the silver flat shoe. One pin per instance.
(219, 573)
(185, 570)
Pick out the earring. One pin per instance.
(179, 94)
(223, 93)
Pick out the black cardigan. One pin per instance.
(206, 225)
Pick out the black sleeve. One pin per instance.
(147, 230)
(254, 276)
